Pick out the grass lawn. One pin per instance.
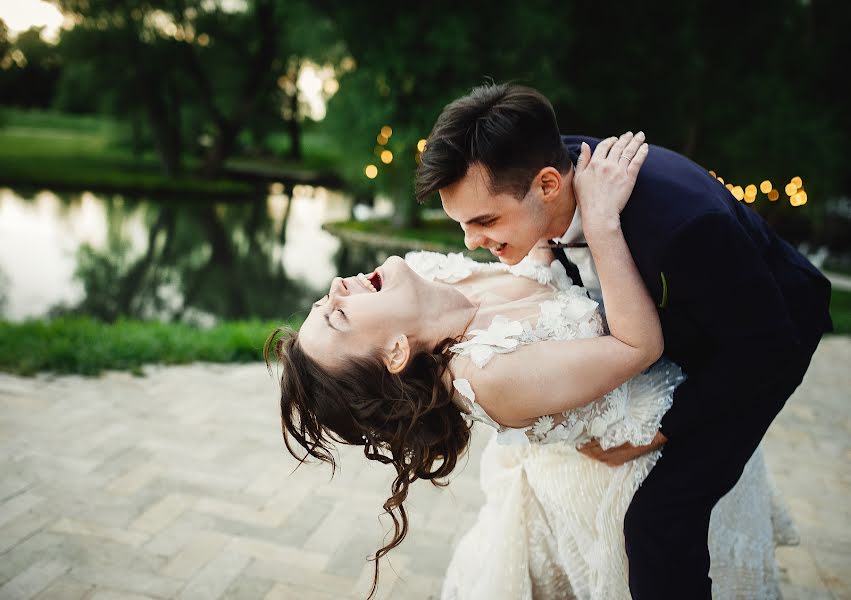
(54, 150)
(438, 234)
(86, 346)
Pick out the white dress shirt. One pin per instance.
(581, 257)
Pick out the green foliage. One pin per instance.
(192, 75)
(749, 89)
(29, 69)
(87, 346)
(840, 311)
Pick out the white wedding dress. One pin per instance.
(552, 522)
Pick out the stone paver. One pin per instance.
(177, 485)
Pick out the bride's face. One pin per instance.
(360, 315)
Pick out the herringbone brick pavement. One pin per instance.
(176, 485)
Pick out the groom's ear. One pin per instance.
(550, 182)
(398, 355)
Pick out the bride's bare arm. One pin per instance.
(554, 376)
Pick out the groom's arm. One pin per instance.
(717, 273)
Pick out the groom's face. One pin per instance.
(507, 226)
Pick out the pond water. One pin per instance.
(110, 255)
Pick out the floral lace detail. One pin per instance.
(455, 267)
(501, 337)
(448, 268)
(631, 413)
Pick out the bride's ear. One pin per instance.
(398, 355)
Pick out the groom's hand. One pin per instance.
(614, 457)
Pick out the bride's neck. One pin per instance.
(448, 313)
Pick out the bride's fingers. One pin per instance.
(602, 149)
(637, 160)
(632, 147)
(616, 152)
(584, 157)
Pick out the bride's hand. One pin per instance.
(604, 181)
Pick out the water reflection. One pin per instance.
(197, 261)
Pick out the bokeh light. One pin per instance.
(750, 191)
(797, 182)
(773, 195)
(790, 189)
(765, 186)
(387, 157)
(371, 171)
(381, 139)
(738, 192)
(387, 131)
(421, 145)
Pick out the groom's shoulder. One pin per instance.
(671, 189)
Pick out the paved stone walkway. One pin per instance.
(176, 485)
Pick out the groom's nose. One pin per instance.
(472, 239)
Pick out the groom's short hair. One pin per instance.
(511, 130)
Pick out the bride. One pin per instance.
(403, 360)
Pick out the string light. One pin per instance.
(750, 193)
(793, 189)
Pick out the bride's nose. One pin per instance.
(338, 287)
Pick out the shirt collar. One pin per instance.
(574, 231)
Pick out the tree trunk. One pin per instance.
(295, 128)
(259, 69)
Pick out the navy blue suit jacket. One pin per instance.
(736, 302)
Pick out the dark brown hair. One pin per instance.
(407, 420)
(511, 130)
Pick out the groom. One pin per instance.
(741, 310)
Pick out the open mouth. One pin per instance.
(498, 248)
(372, 282)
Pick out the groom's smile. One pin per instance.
(508, 226)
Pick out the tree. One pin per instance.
(29, 69)
(409, 64)
(197, 71)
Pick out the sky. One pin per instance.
(20, 15)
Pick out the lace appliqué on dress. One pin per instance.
(455, 267)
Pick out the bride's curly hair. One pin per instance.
(407, 419)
